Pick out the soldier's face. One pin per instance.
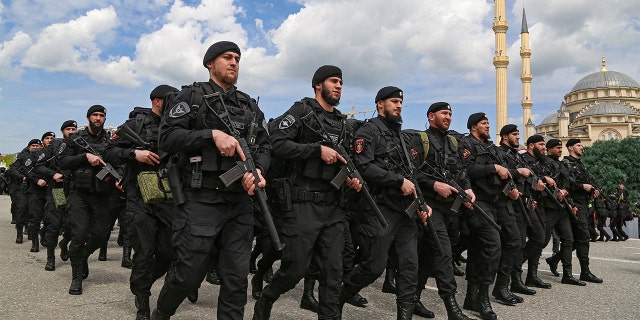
(482, 128)
(392, 108)
(440, 119)
(47, 140)
(541, 146)
(331, 90)
(513, 139)
(66, 132)
(97, 119)
(578, 149)
(555, 151)
(224, 68)
(34, 146)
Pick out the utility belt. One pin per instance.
(320, 197)
(210, 180)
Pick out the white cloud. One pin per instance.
(10, 52)
(74, 46)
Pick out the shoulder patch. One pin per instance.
(359, 145)
(179, 110)
(286, 122)
(62, 147)
(41, 156)
(414, 154)
(466, 153)
(27, 163)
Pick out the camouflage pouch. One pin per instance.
(59, 198)
(154, 187)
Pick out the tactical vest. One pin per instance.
(208, 105)
(394, 158)
(84, 177)
(316, 128)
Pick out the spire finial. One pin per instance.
(603, 65)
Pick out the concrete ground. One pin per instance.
(30, 292)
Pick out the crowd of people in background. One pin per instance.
(205, 188)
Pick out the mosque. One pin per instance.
(604, 105)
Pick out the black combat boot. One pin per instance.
(212, 277)
(419, 309)
(257, 285)
(457, 271)
(553, 263)
(262, 309)
(405, 310)
(126, 257)
(567, 277)
(76, 278)
(586, 275)
(142, 304)
(159, 315)
(623, 234)
(308, 301)
(614, 232)
(483, 305)
(453, 310)
(389, 285)
(102, 255)
(193, 296)
(532, 277)
(501, 290)
(471, 297)
(51, 259)
(518, 286)
(35, 244)
(64, 250)
(19, 236)
(358, 301)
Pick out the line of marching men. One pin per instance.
(196, 177)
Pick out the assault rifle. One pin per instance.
(106, 169)
(242, 167)
(445, 176)
(349, 170)
(419, 202)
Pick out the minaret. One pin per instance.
(501, 61)
(525, 77)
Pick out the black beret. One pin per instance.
(34, 141)
(160, 91)
(572, 141)
(535, 139)
(508, 129)
(96, 108)
(553, 143)
(439, 106)
(324, 72)
(48, 134)
(388, 92)
(219, 48)
(69, 123)
(475, 118)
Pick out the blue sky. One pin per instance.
(57, 58)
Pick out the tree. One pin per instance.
(613, 162)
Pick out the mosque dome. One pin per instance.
(607, 109)
(605, 79)
(550, 119)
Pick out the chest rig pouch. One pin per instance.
(327, 131)
(211, 107)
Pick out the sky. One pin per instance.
(57, 58)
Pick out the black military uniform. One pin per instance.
(510, 234)
(558, 218)
(622, 213)
(151, 222)
(37, 194)
(87, 207)
(579, 177)
(212, 213)
(535, 231)
(20, 190)
(380, 156)
(313, 228)
(54, 214)
(442, 155)
(484, 245)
